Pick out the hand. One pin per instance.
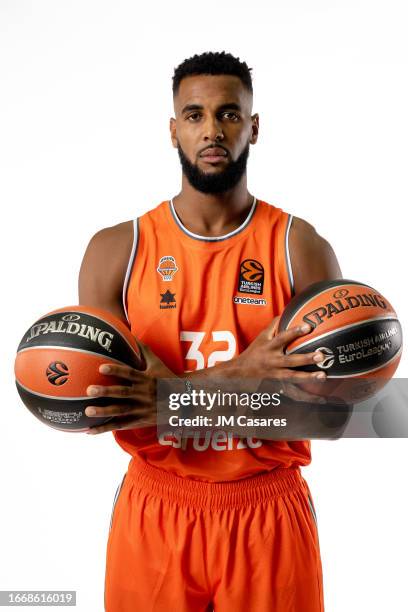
(265, 358)
(139, 389)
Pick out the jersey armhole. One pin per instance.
(287, 256)
(130, 266)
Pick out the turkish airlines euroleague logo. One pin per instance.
(251, 277)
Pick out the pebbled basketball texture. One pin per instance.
(59, 357)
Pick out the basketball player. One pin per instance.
(211, 522)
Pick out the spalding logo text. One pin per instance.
(317, 316)
(103, 338)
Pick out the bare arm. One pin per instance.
(103, 269)
(312, 257)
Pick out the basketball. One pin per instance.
(59, 357)
(356, 329)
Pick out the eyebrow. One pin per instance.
(193, 107)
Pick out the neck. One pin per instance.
(213, 214)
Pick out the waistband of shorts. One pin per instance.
(215, 495)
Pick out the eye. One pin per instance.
(194, 116)
(231, 115)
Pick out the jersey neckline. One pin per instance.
(212, 239)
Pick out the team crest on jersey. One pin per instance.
(168, 300)
(251, 277)
(167, 267)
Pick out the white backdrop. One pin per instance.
(84, 108)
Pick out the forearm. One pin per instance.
(224, 370)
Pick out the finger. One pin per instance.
(111, 410)
(284, 338)
(148, 357)
(112, 391)
(286, 373)
(272, 329)
(300, 359)
(145, 351)
(122, 371)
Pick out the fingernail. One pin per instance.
(305, 328)
(93, 390)
(90, 411)
(104, 369)
(322, 400)
(318, 357)
(321, 375)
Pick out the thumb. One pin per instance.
(145, 355)
(272, 328)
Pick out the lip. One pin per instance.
(214, 155)
(213, 159)
(214, 152)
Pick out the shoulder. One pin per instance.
(117, 235)
(104, 266)
(109, 249)
(303, 235)
(312, 256)
(118, 239)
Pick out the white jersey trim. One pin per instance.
(213, 238)
(130, 265)
(288, 262)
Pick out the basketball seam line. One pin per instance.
(69, 348)
(339, 329)
(58, 397)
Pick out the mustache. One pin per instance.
(214, 146)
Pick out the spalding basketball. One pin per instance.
(353, 325)
(59, 357)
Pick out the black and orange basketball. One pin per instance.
(354, 326)
(59, 357)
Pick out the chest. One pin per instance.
(197, 307)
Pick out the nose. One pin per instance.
(213, 130)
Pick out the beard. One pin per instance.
(218, 182)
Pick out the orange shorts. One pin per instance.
(183, 545)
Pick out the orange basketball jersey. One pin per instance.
(197, 301)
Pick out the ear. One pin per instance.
(173, 132)
(255, 128)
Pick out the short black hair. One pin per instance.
(212, 63)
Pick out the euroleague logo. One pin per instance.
(341, 293)
(328, 357)
(57, 373)
(251, 277)
(71, 317)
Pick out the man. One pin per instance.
(208, 522)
